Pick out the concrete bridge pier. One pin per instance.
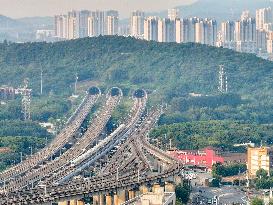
(96, 200)
(143, 189)
(157, 188)
(101, 199)
(108, 199)
(115, 199)
(132, 194)
(71, 202)
(121, 196)
(169, 187)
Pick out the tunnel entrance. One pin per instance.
(115, 91)
(94, 91)
(140, 93)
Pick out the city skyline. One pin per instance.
(31, 8)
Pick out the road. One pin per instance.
(210, 195)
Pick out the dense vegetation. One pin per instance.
(222, 134)
(168, 71)
(171, 71)
(228, 170)
(182, 192)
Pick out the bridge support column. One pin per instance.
(169, 187)
(101, 199)
(157, 188)
(177, 180)
(121, 196)
(108, 199)
(96, 200)
(132, 194)
(143, 189)
(116, 199)
(80, 202)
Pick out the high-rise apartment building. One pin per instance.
(112, 19)
(185, 30)
(93, 25)
(206, 32)
(99, 16)
(245, 30)
(261, 41)
(151, 28)
(245, 15)
(137, 24)
(228, 31)
(166, 30)
(245, 35)
(270, 43)
(259, 158)
(83, 23)
(73, 22)
(263, 16)
(173, 14)
(61, 24)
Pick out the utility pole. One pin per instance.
(41, 86)
(21, 156)
(170, 144)
(76, 81)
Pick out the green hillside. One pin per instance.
(168, 70)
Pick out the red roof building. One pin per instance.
(205, 158)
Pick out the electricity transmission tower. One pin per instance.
(26, 99)
(223, 81)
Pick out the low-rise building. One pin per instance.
(207, 157)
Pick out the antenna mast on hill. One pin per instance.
(41, 91)
(223, 83)
(76, 81)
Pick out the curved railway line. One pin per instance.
(127, 152)
(72, 126)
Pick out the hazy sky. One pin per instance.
(24, 8)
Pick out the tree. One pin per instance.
(262, 174)
(215, 182)
(182, 192)
(257, 201)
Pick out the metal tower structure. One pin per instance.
(223, 82)
(26, 100)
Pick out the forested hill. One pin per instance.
(172, 70)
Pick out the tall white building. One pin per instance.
(173, 14)
(73, 25)
(137, 24)
(186, 29)
(112, 22)
(61, 24)
(245, 15)
(263, 16)
(100, 18)
(228, 31)
(151, 28)
(83, 23)
(93, 24)
(245, 30)
(270, 43)
(206, 32)
(261, 41)
(166, 30)
(245, 35)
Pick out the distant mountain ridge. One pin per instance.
(219, 9)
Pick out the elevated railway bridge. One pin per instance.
(122, 165)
